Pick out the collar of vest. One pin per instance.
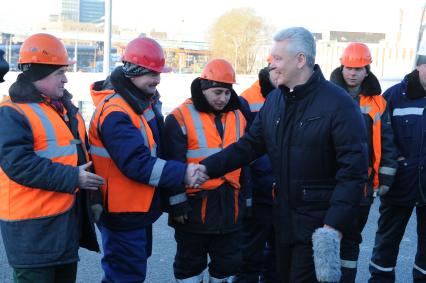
(24, 91)
(369, 87)
(137, 100)
(415, 89)
(201, 104)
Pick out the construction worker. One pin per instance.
(207, 220)
(316, 140)
(126, 149)
(4, 66)
(406, 102)
(355, 76)
(45, 184)
(258, 246)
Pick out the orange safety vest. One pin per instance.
(204, 140)
(254, 97)
(121, 194)
(52, 140)
(374, 106)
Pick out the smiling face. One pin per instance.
(354, 76)
(286, 67)
(53, 85)
(217, 97)
(147, 83)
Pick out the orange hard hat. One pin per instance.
(43, 48)
(219, 70)
(356, 55)
(146, 52)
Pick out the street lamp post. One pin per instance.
(107, 36)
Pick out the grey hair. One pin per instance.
(300, 40)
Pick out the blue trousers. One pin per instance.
(125, 254)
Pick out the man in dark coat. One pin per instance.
(315, 137)
(406, 102)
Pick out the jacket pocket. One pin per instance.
(406, 127)
(317, 194)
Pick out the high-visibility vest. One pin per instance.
(254, 97)
(53, 140)
(204, 139)
(374, 106)
(121, 194)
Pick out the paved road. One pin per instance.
(161, 262)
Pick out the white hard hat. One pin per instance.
(422, 48)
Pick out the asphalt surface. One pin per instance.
(160, 264)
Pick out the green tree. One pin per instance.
(235, 36)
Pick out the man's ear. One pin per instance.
(301, 60)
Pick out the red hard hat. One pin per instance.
(146, 52)
(219, 70)
(356, 55)
(43, 48)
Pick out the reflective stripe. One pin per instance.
(221, 280)
(183, 128)
(255, 107)
(53, 150)
(384, 269)
(176, 199)
(201, 137)
(377, 118)
(387, 170)
(349, 263)
(148, 114)
(99, 151)
(249, 202)
(194, 279)
(237, 126)
(145, 139)
(156, 172)
(419, 269)
(407, 111)
(365, 109)
(202, 152)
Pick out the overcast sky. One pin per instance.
(196, 16)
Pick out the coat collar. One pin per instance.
(301, 91)
(414, 88)
(370, 86)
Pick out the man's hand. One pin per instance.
(181, 218)
(87, 180)
(195, 175)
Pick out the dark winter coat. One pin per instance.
(371, 87)
(316, 140)
(406, 102)
(53, 240)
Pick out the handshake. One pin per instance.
(195, 175)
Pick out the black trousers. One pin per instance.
(192, 250)
(65, 273)
(349, 247)
(392, 224)
(258, 248)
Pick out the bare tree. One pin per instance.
(234, 36)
